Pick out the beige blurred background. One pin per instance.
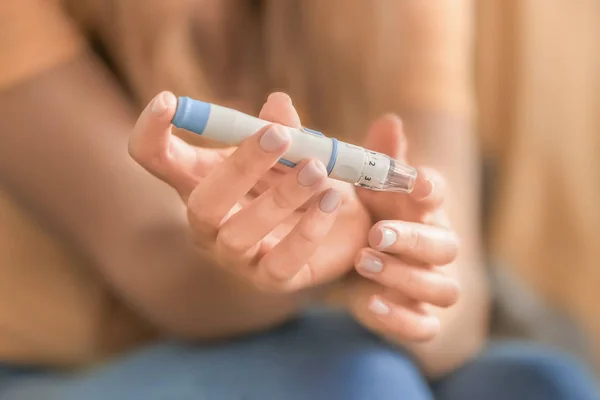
(538, 70)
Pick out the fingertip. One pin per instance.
(429, 188)
(163, 105)
(152, 129)
(394, 120)
(386, 135)
(404, 322)
(280, 96)
(455, 291)
(430, 327)
(279, 108)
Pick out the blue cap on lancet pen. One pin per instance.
(191, 115)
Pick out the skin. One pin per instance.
(431, 88)
(249, 217)
(398, 301)
(78, 179)
(200, 289)
(410, 283)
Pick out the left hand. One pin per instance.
(403, 269)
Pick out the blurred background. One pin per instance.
(524, 74)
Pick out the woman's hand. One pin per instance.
(280, 229)
(403, 268)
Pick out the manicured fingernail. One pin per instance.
(387, 238)
(370, 264)
(379, 307)
(163, 102)
(330, 201)
(275, 138)
(311, 173)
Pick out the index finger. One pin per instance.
(279, 109)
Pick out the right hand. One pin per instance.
(281, 229)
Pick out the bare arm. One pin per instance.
(413, 58)
(437, 98)
(63, 151)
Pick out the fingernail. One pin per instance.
(275, 138)
(387, 237)
(163, 102)
(370, 264)
(330, 201)
(311, 173)
(379, 307)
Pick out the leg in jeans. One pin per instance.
(508, 371)
(321, 356)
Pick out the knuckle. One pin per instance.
(407, 280)
(413, 238)
(272, 280)
(240, 167)
(201, 223)
(281, 198)
(196, 214)
(271, 286)
(229, 240)
(306, 239)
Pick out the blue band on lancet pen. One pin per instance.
(334, 154)
(191, 115)
(287, 163)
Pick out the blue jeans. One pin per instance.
(320, 356)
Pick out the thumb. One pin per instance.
(387, 136)
(165, 156)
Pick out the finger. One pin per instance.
(428, 244)
(166, 156)
(279, 108)
(386, 136)
(420, 284)
(429, 191)
(246, 228)
(403, 319)
(437, 218)
(215, 195)
(286, 266)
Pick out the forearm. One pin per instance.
(436, 103)
(447, 143)
(63, 152)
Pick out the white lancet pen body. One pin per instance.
(344, 161)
